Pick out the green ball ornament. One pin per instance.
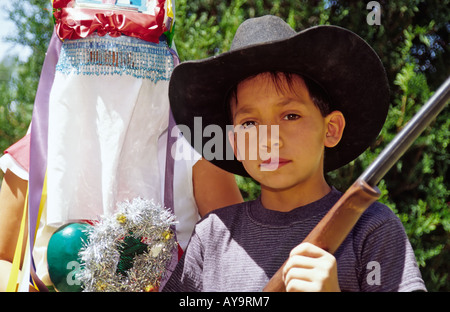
(62, 256)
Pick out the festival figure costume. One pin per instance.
(100, 132)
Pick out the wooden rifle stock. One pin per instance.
(331, 231)
(334, 227)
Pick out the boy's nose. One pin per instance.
(269, 137)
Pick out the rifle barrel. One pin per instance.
(340, 219)
(403, 140)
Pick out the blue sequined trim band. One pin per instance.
(97, 55)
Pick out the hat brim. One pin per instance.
(337, 59)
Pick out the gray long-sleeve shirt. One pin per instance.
(240, 247)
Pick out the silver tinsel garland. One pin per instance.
(141, 221)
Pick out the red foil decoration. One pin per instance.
(76, 22)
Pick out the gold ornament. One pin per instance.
(100, 286)
(121, 218)
(167, 235)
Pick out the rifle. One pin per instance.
(331, 231)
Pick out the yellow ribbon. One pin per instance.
(41, 205)
(170, 12)
(15, 269)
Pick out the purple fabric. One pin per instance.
(168, 181)
(168, 192)
(39, 131)
(169, 172)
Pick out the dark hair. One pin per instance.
(317, 94)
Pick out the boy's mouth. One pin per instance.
(273, 164)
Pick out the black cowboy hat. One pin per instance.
(338, 60)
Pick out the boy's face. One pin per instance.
(294, 155)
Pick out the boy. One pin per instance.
(325, 93)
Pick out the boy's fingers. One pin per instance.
(308, 256)
(301, 285)
(299, 279)
(308, 250)
(309, 263)
(298, 273)
(300, 261)
(304, 267)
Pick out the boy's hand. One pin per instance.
(310, 269)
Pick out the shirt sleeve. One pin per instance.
(17, 158)
(387, 262)
(187, 276)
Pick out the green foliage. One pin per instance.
(19, 79)
(412, 42)
(11, 122)
(250, 189)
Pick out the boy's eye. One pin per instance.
(248, 124)
(291, 117)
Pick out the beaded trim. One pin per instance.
(97, 55)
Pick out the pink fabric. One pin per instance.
(20, 151)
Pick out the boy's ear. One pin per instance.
(232, 141)
(335, 123)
